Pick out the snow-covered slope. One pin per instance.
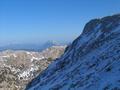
(91, 62)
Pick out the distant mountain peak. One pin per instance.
(52, 42)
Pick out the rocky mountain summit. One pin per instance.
(17, 68)
(91, 62)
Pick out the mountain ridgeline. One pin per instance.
(36, 47)
(91, 62)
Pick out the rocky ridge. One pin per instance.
(17, 68)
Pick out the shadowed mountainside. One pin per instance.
(91, 62)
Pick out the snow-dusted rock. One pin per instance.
(17, 68)
(91, 62)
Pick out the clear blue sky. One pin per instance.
(33, 21)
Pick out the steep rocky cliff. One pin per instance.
(91, 62)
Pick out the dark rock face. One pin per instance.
(91, 62)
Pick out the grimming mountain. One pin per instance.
(91, 62)
(37, 47)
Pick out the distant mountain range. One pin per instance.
(31, 47)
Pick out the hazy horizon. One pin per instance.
(28, 21)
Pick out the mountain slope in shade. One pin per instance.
(91, 62)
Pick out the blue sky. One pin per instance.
(34, 21)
